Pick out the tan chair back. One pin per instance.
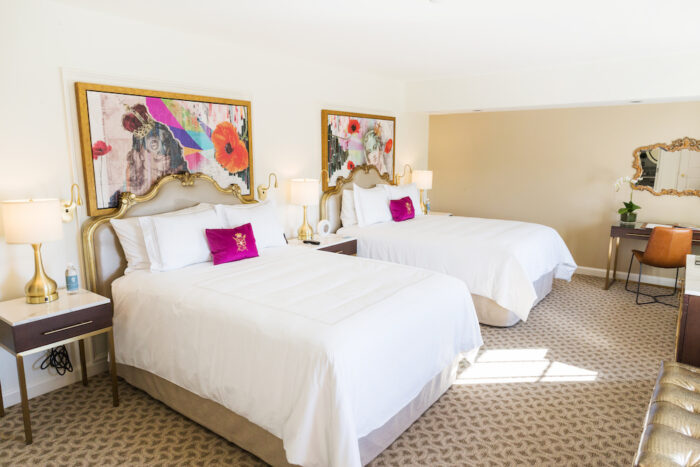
(668, 247)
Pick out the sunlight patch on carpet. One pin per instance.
(521, 366)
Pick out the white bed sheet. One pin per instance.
(319, 349)
(497, 259)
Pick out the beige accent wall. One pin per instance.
(557, 167)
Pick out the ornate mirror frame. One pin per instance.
(676, 145)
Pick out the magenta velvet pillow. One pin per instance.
(402, 209)
(227, 245)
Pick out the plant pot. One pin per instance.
(628, 217)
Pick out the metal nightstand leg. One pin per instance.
(83, 367)
(113, 369)
(25, 400)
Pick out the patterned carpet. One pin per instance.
(569, 387)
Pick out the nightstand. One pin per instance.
(333, 243)
(29, 328)
(438, 213)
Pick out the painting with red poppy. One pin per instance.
(351, 140)
(130, 138)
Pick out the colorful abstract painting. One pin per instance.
(131, 138)
(350, 140)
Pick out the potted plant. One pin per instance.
(627, 213)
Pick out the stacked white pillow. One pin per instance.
(366, 206)
(348, 215)
(174, 242)
(401, 191)
(263, 217)
(371, 205)
(131, 236)
(177, 239)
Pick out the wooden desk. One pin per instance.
(637, 231)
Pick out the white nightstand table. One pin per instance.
(438, 213)
(333, 243)
(29, 328)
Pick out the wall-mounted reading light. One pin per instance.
(70, 206)
(262, 190)
(398, 177)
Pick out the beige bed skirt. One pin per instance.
(491, 313)
(261, 442)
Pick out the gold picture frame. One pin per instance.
(155, 134)
(676, 145)
(378, 144)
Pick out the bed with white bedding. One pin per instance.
(316, 348)
(508, 266)
(498, 259)
(299, 356)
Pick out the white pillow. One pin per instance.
(371, 205)
(180, 240)
(401, 191)
(263, 217)
(348, 216)
(131, 237)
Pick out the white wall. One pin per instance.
(45, 47)
(614, 82)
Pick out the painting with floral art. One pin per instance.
(130, 138)
(350, 140)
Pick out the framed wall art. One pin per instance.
(351, 139)
(132, 137)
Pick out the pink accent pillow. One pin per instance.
(227, 245)
(402, 209)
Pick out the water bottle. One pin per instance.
(427, 206)
(72, 285)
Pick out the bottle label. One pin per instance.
(72, 283)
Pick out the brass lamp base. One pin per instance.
(305, 232)
(423, 207)
(41, 288)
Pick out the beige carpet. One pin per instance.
(569, 387)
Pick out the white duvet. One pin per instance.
(319, 349)
(497, 259)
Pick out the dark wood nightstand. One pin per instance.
(332, 243)
(29, 328)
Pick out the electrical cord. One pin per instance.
(59, 359)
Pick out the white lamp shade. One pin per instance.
(423, 179)
(305, 191)
(32, 221)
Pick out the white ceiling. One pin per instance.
(416, 40)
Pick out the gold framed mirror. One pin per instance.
(668, 169)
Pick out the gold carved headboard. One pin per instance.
(365, 176)
(103, 255)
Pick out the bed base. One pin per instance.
(492, 314)
(262, 443)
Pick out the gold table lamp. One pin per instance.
(305, 193)
(34, 222)
(424, 181)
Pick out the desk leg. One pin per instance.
(607, 271)
(83, 366)
(2, 405)
(113, 369)
(617, 250)
(25, 400)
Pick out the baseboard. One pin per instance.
(646, 279)
(51, 384)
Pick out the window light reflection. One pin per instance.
(520, 366)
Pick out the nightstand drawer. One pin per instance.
(46, 331)
(345, 248)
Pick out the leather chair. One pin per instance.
(671, 436)
(667, 248)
